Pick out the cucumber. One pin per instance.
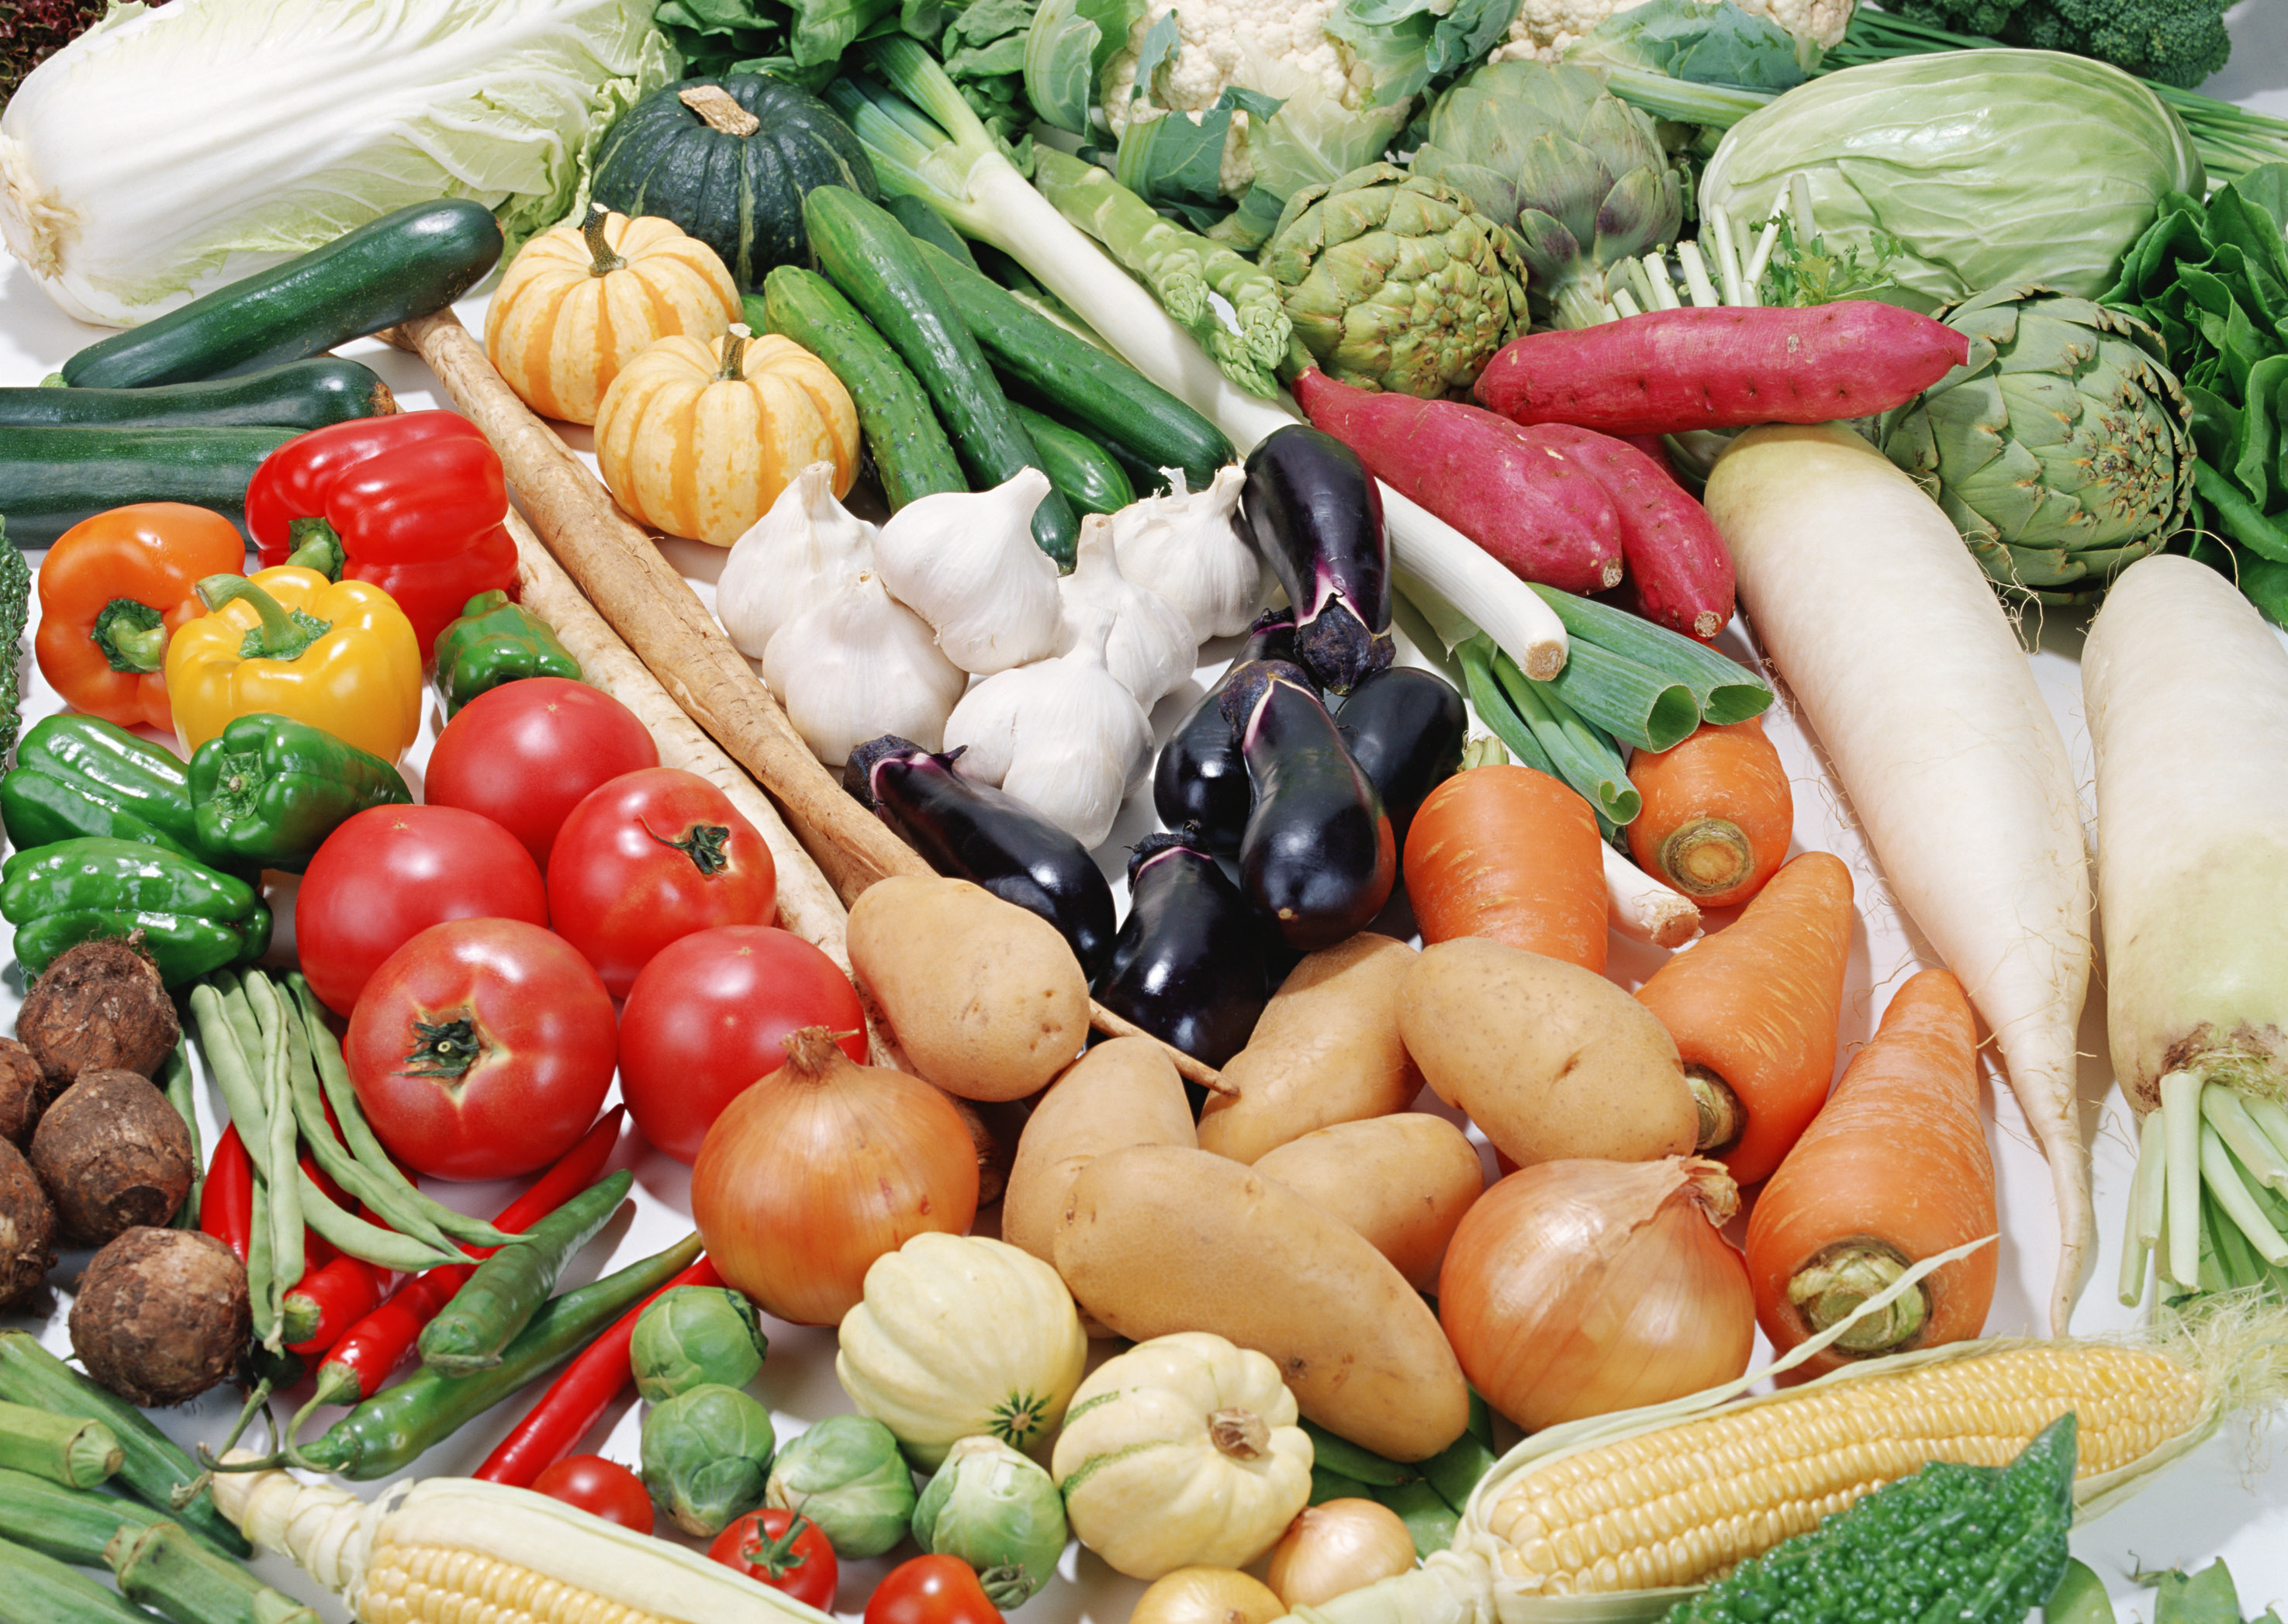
(303, 394)
(1085, 470)
(404, 265)
(1099, 390)
(868, 255)
(912, 456)
(51, 479)
(925, 224)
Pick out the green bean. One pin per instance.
(281, 1165)
(175, 1074)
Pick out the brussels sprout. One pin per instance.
(848, 1475)
(997, 1511)
(706, 1455)
(692, 1335)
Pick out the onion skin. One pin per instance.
(1207, 1596)
(1336, 1548)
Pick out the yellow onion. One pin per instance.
(820, 1168)
(1577, 1289)
(1336, 1548)
(1206, 1595)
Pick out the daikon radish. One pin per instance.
(1861, 592)
(2186, 691)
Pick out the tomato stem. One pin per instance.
(704, 843)
(444, 1049)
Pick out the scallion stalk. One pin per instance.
(1637, 705)
(1725, 690)
(1477, 655)
(1586, 759)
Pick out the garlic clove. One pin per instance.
(1184, 547)
(857, 664)
(965, 562)
(1150, 647)
(782, 565)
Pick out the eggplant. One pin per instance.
(1312, 508)
(974, 831)
(1318, 854)
(1199, 778)
(1194, 965)
(1405, 729)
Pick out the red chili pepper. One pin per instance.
(554, 1426)
(413, 503)
(226, 1198)
(331, 1299)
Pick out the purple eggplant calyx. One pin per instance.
(1245, 686)
(1340, 648)
(866, 760)
(1162, 844)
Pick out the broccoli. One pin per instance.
(2172, 41)
(15, 608)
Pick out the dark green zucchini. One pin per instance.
(404, 265)
(1091, 480)
(303, 394)
(51, 479)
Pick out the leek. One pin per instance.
(1477, 655)
(1637, 705)
(1586, 759)
(1725, 691)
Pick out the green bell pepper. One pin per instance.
(193, 918)
(268, 790)
(78, 775)
(494, 642)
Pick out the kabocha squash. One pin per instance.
(729, 160)
(581, 301)
(698, 440)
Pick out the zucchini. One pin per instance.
(868, 255)
(51, 479)
(1083, 382)
(407, 264)
(912, 456)
(303, 394)
(1087, 474)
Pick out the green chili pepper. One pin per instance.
(495, 642)
(268, 790)
(194, 918)
(497, 1301)
(77, 776)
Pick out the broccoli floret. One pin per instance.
(2172, 41)
(15, 609)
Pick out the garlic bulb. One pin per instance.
(856, 664)
(1151, 647)
(1184, 547)
(786, 561)
(965, 562)
(1060, 734)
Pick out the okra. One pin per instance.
(72, 1450)
(70, 1524)
(36, 1587)
(166, 1569)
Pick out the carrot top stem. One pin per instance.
(1706, 856)
(1723, 1119)
(1831, 1288)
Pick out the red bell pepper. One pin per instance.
(413, 504)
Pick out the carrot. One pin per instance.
(1754, 1010)
(1682, 574)
(1893, 1170)
(1717, 812)
(1506, 852)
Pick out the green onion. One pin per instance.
(1725, 690)
(1477, 655)
(1586, 759)
(1637, 705)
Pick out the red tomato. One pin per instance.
(649, 857)
(604, 1487)
(757, 1545)
(482, 1048)
(526, 753)
(931, 1590)
(705, 1018)
(389, 873)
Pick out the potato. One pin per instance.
(1157, 1239)
(1550, 1060)
(986, 999)
(1121, 1093)
(1326, 1050)
(1403, 1181)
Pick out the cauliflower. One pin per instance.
(1543, 28)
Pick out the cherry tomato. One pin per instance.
(651, 857)
(802, 1566)
(526, 753)
(606, 1488)
(705, 1020)
(931, 1590)
(482, 1048)
(390, 873)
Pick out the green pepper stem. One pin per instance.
(283, 634)
(1722, 1117)
(315, 546)
(1831, 1288)
(132, 636)
(735, 353)
(601, 260)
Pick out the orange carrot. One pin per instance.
(1717, 813)
(1506, 852)
(1893, 1170)
(1753, 1011)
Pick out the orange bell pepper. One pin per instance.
(114, 591)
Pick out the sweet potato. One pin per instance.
(1403, 1181)
(1683, 574)
(1119, 1094)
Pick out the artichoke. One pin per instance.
(1579, 175)
(2063, 450)
(1396, 281)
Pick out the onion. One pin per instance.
(1334, 1549)
(1206, 1595)
(823, 1166)
(1577, 1289)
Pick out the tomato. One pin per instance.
(931, 1590)
(390, 873)
(651, 857)
(482, 1048)
(803, 1567)
(604, 1487)
(526, 753)
(705, 1018)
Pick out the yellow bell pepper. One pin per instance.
(340, 655)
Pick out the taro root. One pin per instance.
(113, 1153)
(28, 1228)
(161, 1315)
(23, 1094)
(99, 1007)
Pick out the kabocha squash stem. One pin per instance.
(603, 261)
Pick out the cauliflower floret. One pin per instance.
(1543, 28)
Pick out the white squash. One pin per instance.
(1183, 1451)
(959, 1336)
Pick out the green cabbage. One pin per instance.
(1966, 171)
